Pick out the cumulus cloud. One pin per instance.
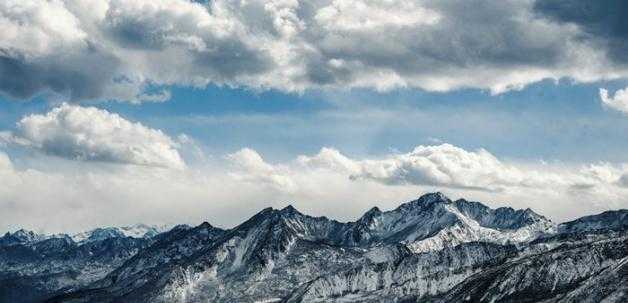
(250, 167)
(329, 158)
(92, 134)
(444, 165)
(449, 166)
(132, 50)
(618, 101)
(438, 166)
(119, 49)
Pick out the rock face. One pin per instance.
(430, 249)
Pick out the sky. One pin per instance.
(115, 112)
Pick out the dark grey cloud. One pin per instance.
(136, 34)
(473, 34)
(230, 58)
(603, 22)
(119, 48)
(77, 77)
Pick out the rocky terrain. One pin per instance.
(432, 249)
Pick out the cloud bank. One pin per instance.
(449, 166)
(133, 50)
(231, 188)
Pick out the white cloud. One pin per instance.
(449, 166)
(123, 49)
(368, 15)
(618, 101)
(37, 28)
(5, 162)
(83, 195)
(91, 134)
(444, 165)
(92, 194)
(250, 167)
(330, 158)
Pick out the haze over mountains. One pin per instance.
(429, 249)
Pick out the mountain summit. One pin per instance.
(431, 248)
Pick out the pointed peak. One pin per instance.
(530, 212)
(290, 211)
(375, 209)
(25, 234)
(426, 199)
(266, 210)
(205, 225)
(261, 215)
(435, 196)
(370, 214)
(430, 198)
(289, 208)
(23, 231)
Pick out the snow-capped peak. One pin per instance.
(21, 236)
(133, 231)
(433, 221)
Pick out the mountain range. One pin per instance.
(431, 249)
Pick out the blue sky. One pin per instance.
(184, 111)
(548, 121)
(554, 122)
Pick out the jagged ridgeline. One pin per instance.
(432, 249)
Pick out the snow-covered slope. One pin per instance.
(23, 236)
(409, 275)
(133, 231)
(429, 249)
(434, 222)
(588, 271)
